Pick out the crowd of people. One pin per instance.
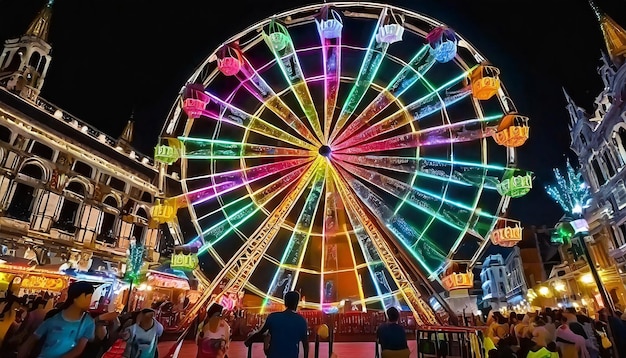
(68, 329)
(564, 333)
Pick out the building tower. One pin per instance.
(24, 61)
(614, 35)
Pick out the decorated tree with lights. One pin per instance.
(133, 267)
(134, 262)
(570, 192)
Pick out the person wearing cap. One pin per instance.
(214, 337)
(66, 333)
(142, 337)
(286, 330)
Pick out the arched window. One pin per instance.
(76, 187)
(111, 201)
(32, 171)
(598, 172)
(609, 164)
(42, 65)
(5, 134)
(21, 202)
(16, 61)
(34, 59)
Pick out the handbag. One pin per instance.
(604, 340)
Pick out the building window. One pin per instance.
(5, 134)
(117, 184)
(83, 169)
(42, 150)
(619, 237)
(609, 164)
(620, 195)
(598, 172)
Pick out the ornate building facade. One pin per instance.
(69, 194)
(599, 140)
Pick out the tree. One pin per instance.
(570, 192)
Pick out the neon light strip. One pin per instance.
(418, 198)
(400, 84)
(213, 149)
(457, 174)
(289, 63)
(287, 273)
(445, 134)
(329, 228)
(331, 57)
(422, 314)
(242, 264)
(258, 87)
(260, 197)
(369, 67)
(238, 117)
(405, 234)
(375, 264)
(241, 177)
(423, 201)
(399, 118)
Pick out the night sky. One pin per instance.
(112, 58)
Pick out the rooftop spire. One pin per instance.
(614, 34)
(41, 24)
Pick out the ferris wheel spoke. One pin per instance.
(258, 199)
(259, 88)
(287, 273)
(241, 266)
(329, 30)
(409, 75)
(336, 241)
(411, 238)
(374, 56)
(375, 265)
(228, 113)
(453, 173)
(463, 131)
(231, 180)
(404, 284)
(214, 149)
(451, 213)
(280, 43)
(329, 229)
(420, 108)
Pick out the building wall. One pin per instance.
(62, 195)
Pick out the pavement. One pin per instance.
(239, 350)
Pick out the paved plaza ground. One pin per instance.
(238, 350)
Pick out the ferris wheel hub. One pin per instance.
(325, 151)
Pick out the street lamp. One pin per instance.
(578, 230)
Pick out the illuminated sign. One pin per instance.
(185, 262)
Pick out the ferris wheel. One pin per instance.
(350, 151)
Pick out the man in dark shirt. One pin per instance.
(391, 335)
(286, 329)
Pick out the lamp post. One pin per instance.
(578, 230)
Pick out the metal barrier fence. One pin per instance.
(450, 342)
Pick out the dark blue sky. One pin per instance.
(112, 56)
